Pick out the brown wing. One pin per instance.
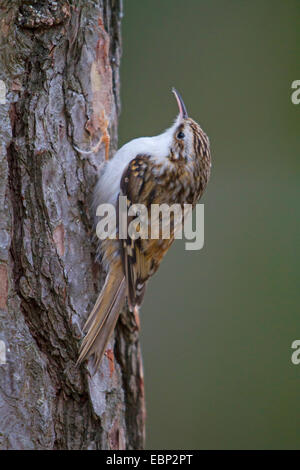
(141, 257)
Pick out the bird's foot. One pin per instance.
(105, 138)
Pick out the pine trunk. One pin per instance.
(59, 80)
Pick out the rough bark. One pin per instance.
(60, 67)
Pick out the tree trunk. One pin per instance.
(59, 79)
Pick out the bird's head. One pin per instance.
(189, 142)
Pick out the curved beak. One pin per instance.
(181, 105)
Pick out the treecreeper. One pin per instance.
(170, 168)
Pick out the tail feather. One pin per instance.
(103, 318)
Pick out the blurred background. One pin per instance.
(218, 324)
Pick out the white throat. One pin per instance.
(157, 147)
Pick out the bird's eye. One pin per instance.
(180, 135)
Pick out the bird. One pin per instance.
(172, 167)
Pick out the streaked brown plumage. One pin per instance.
(177, 172)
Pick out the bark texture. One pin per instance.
(60, 74)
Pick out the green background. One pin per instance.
(217, 324)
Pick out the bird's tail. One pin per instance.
(103, 318)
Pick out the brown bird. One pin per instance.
(173, 167)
